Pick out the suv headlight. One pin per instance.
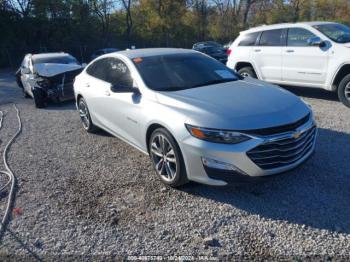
(216, 135)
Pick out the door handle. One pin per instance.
(257, 50)
(290, 51)
(87, 85)
(107, 93)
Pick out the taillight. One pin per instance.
(228, 51)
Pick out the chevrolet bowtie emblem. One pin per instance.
(296, 135)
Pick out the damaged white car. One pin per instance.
(48, 76)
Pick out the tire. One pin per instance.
(85, 116)
(39, 98)
(247, 72)
(344, 90)
(167, 160)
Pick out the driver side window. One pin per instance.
(299, 37)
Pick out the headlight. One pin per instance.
(217, 136)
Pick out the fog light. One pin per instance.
(211, 163)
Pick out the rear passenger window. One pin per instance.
(98, 69)
(299, 37)
(249, 39)
(118, 74)
(271, 38)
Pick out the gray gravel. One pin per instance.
(94, 196)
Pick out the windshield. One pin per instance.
(182, 71)
(56, 60)
(337, 32)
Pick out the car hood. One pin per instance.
(240, 105)
(218, 55)
(48, 70)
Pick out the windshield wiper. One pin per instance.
(213, 82)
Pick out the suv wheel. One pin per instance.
(39, 98)
(344, 91)
(167, 158)
(247, 72)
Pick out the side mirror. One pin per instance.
(316, 41)
(25, 70)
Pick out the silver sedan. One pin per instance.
(196, 119)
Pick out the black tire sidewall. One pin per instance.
(341, 90)
(180, 177)
(39, 99)
(249, 70)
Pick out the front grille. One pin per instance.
(279, 129)
(283, 152)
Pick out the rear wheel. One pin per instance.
(344, 91)
(247, 72)
(167, 158)
(39, 98)
(85, 116)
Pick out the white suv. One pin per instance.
(314, 54)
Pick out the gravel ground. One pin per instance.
(92, 196)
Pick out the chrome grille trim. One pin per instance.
(285, 147)
(283, 150)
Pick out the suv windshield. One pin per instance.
(56, 60)
(182, 71)
(337, 32)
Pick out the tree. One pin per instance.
(21, 7)
(128, 18)
(103, 9)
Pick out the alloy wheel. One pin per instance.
(245, 74)
(163, 157)
(347, 91)
(84, 115)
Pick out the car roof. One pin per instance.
(145, 52)
(284, 25)
(49, 55)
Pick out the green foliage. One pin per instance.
(81, 26)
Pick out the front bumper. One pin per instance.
(61, 92)
(237, 155)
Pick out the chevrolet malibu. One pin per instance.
(197, 119)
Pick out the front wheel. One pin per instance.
(247, 72)
(344, 91)
(39, 98)
(167, 158)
